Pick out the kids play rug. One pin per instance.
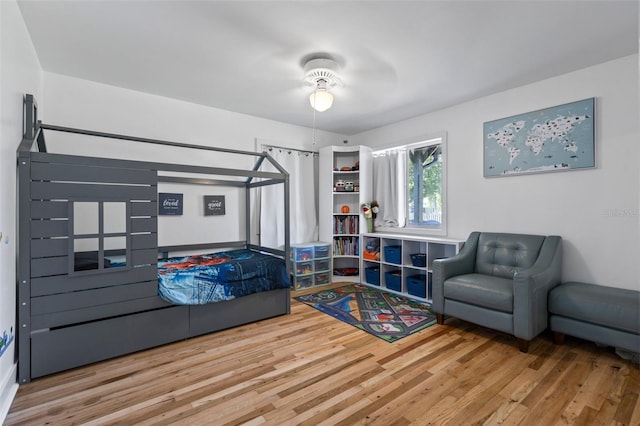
(388, 316)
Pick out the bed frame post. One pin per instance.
(23, 249)
(29, 116)
(287, 221)
(247, 214)
(30, 123)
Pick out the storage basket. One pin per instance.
(417, 285)
(371, 255)
(372, 275)
(393, 280)
(393, 254)
(419, 259)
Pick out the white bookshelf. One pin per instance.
(338, 188)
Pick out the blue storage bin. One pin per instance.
(394, 280)
(393, 254)
(372, 275)
(417, 285)
(419, 259)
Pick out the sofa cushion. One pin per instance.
(501, 255)
(481, 290)
(611, 307)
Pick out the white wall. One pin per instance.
(20, 73)
(594, 210)
(83, 104)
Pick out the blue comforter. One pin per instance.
(196, 280)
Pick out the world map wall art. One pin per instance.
(551, 139)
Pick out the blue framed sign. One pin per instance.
(548, 140)
(169, 204)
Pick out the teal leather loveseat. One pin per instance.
(499, 281)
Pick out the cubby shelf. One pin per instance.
(403, 263)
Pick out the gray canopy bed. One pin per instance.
(78, 305)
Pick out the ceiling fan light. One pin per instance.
(321, 100)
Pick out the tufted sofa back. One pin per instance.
(501, 255)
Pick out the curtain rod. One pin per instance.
(265, 146)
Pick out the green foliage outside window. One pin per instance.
(425, 198)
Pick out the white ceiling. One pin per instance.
(399, 59)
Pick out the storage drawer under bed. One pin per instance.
(70, 308)
(243, 310)
(69, 347)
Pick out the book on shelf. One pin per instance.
(346, 246)
(345, 225)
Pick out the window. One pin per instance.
(99, 229)
(424, 186)
(410, 180)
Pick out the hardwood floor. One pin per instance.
(308, 368)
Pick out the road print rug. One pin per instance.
(388, 316)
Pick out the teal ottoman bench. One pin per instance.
(604, 315)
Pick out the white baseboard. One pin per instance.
(8, 389)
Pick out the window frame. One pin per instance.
(100, 236)
(412, 143)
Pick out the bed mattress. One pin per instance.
(207, 278)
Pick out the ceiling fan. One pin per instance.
(322, 74)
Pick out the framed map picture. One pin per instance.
(552, 139)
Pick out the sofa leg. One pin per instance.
(558, 338)
(523, 345)
(440, 318)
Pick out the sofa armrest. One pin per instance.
(531, 289)
(460, 264)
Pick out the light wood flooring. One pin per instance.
(309, 368)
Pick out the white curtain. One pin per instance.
(302, 198)
(389, 187)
